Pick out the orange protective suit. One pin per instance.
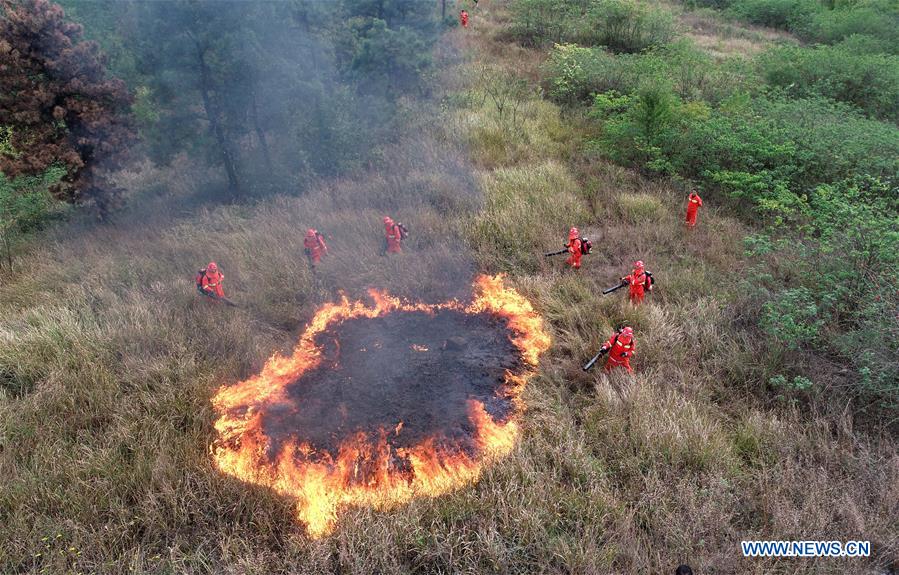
(392, 236)
(639, 283)
(314, 246)
(463, 18)
(622, 347)
(574, 248)
(694, 202)
(211, 281)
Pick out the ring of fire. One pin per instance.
(274, 430)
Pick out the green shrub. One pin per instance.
(825, 22)
(25, 206)
(832, 142)
(866, 44)
(842, 282)
(878, 20)
(777, 141)
(868, 81)
(537, 22)
(792, 319)
(634, 135)
(620, 25)
(625, 26)
(566, 73)
(574, 74)
(784, 14)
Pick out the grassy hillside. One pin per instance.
(108, 360)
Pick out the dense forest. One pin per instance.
(141, 139)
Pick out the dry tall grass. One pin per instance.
(108, 360)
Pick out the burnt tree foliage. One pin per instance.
(58, 106)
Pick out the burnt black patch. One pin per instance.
(416, 368)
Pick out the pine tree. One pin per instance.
(57, 104)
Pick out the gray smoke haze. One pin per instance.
(330, 102)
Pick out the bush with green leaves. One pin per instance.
(784, 14)
(792, 318)
(878, 19)
(764, 150)
(866, 44)
(841, 292)
(575, 73)
(26, 204)
(868, 81)
(537, 22)
(824, 22)
(626, 26)
(833, 142)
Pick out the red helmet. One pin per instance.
(212, 267)
(310, 233)
(387, 220)
(638, 265)
(573, 233)
(626, 335)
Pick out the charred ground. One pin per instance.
(414, 367)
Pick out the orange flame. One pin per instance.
(322, 483)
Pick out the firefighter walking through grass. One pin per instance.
(209, 281)
(314, 246)
(621, 346)
(575, 248)
(640, 282)
(694, 202)
(394, 234)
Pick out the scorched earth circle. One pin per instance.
(382, 403)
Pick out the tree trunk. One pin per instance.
(442, 10)
(263, 143)
(216, 126)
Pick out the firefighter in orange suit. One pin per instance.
(639, 282)
(314, 246)
(574, 248)
(620, 347)
(210, 281)
(694, 202)
(393, 236)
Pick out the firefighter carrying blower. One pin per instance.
(314, 247)
(209, 283)
(577, 247)
(620, 347)
(639, 280)
(394, 234)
